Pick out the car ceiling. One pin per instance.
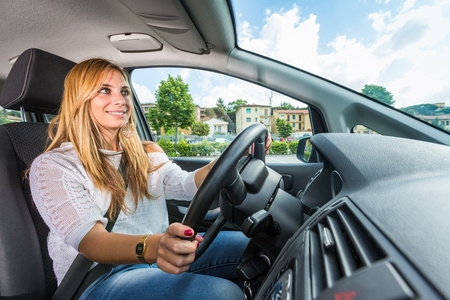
(81, 29)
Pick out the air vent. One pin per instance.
(340, 245)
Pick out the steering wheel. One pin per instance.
(224, 174)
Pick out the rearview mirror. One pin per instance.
(306, 151)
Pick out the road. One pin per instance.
(282, 159)
(275, 159)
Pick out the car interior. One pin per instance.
(366, 217)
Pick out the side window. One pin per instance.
(211, 109)
(361, 129)
(9, 116)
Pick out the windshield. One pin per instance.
(393, 51)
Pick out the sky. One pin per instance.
(402, 45)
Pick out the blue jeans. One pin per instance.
(212, 276)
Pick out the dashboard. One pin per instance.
(380, 229)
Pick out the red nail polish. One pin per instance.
(198, 244)
(189, 232)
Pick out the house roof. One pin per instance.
(434, 117)
(292, 111)
(215, 121)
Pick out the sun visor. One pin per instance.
(135, 42)
(170, 20)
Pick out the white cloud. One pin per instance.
(421, 36)
(185, 73)
(283, 33)
(417, 36)
(214, 86)
(379, 22)
(144, 93)
(408, 5)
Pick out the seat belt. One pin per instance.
(78, 277)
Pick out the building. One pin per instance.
(437, 120)
(247, 115)
(216, 125)
(361, 129)
(147, 106)
(201, 114)
(298, 118)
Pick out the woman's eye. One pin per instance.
(105, 91)
(125, 93)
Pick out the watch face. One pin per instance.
(139, 248)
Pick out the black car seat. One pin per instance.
(34, 86)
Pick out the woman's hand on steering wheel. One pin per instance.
(175, 251)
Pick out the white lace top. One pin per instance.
(70, 204)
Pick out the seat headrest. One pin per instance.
(36, 82)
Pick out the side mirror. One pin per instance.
(306, 151)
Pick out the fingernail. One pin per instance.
(199, 235)
(189, 232)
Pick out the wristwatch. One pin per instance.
(141, 247)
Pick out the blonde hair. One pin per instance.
(75, 124)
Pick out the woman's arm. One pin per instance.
(201, 173)
(168, 250)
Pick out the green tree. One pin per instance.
(220, 113)
(426, 109)
(4, 120)
(3, 112)
(284, 129)
(216, 113)
(379, 93)
(285, 106)
(174, 106)
(232, 108)
(209, 112)
(3, 117)
(14, 113)
(221, 103)
(200, 129)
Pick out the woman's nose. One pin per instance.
(118, 98)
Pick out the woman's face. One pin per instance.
(111, 106)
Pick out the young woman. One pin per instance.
(77, 179)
